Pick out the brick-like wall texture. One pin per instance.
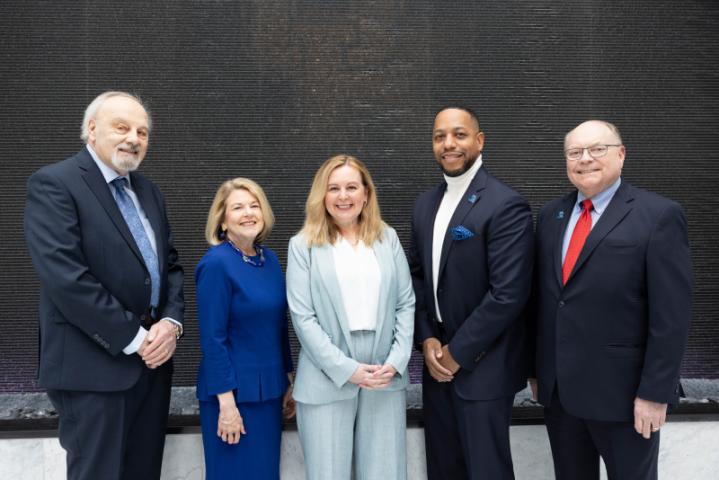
(269, 89)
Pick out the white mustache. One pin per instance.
(129, 146)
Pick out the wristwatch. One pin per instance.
(178, 330)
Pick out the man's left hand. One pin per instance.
(448, 361)
(159, 344)
(649, 417)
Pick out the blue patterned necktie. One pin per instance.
(132, 218)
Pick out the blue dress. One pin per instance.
(245, 348)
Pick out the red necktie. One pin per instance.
(579, 236)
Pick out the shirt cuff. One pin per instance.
(134, 345)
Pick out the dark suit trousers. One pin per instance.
(577, 445)
(465, 439)
(115, 435)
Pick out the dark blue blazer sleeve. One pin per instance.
(669, 290)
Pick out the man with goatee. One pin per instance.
(111, 301)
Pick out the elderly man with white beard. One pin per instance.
(111, 298)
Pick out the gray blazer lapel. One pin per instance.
(386, 265)
(325, 261)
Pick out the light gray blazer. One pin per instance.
(326, 360)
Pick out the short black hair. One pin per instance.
(461, 107)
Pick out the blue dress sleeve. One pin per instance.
(214, 295)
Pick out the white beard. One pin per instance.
(125, 163)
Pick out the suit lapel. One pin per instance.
(431, 215)
(326, 264)
(472, 197)
(618, 208)
(99, 187)
(383, 254)
(561, 219)
(144, 196)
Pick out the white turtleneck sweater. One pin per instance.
(456, 187)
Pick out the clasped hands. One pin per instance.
(159, 344)
(373, 377)
(440, 363)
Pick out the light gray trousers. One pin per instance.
(367, 431)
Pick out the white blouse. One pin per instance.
(358, 273)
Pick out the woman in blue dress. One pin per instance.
(245, 376)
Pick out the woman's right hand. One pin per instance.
(229, 423)
(363, 375)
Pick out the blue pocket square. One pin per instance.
(461, 233)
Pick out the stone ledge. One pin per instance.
(33, 411)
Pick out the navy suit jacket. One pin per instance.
(618, 328)
(95, 288)
(483, 284)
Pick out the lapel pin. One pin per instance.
(472, 198)
(560, 215)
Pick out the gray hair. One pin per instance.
(91, 111)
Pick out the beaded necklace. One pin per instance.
(248, 259)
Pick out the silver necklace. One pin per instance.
(246, 258)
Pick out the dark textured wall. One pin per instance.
(269, 89)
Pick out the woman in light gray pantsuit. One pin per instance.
(350, 295)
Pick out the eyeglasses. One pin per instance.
(595, 151)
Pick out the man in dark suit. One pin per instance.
(612, 311)
(111, 301)
(471, 262)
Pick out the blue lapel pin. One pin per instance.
(560, 215)
(472, 198)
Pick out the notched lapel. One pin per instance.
(385, 260)
(471, 198)
(433, 205)
(326, 265)
(96, 182)
(617, 209)
(559, 224)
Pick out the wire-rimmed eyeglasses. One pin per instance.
(595, 151)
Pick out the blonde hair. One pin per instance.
(213, 230)
(91, 111)
(319, 228)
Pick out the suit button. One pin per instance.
(147, 281)
(561, 303)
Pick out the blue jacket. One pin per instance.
(242, 314)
